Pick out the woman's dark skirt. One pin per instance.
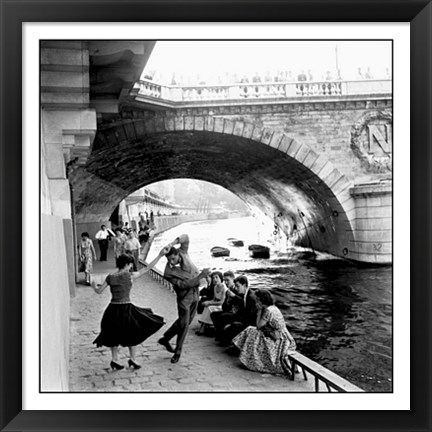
(127, 325)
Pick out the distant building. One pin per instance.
(145, 201)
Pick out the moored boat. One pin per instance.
(259, 251)
(306, 255)
(219, 251)
(235, 242)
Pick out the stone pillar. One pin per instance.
(68, 126)
(67, 136)
(67, 131)
(373, 222)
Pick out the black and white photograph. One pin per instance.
(216, 216)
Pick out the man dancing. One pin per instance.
(185, 277)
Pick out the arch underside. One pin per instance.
(261, 176)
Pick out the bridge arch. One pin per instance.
(268, 169)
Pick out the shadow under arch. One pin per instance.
(268, 170)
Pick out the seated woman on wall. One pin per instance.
(265, 348)
(214, 304)
(206, 293)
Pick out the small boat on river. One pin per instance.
(219, 251)
(259, 251)
(306, 255)
(235, 242)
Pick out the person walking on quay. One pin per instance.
(265, 348)
(87, 253)
(123, 323)
(103, 236)
(146, 238)
(119, 241)
(132, 246)
(185, 277)
(143, 235)
(142, 220)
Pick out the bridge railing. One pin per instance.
(256, 91)
(158, 275)
(322, 376)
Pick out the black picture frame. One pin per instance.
(14, 13)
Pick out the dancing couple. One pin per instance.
(125, 324)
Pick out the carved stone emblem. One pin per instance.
(372, 141)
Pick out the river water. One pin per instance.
(339, 313)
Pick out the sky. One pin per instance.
(209, 58)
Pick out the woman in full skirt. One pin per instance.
(265, 348)
(123, 323)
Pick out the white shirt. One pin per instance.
(103, 234)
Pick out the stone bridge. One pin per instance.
(298, 161)
(315, 157)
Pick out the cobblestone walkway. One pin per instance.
(203, 367)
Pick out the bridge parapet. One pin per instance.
(177, 96)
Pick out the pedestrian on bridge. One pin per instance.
(123, 323)
(186, 279)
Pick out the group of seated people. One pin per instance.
(247, 322)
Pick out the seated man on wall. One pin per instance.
(231, 307)
(246, 316)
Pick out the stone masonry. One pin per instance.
(286, 160)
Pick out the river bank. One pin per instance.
(339, 313)
(204, 366)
